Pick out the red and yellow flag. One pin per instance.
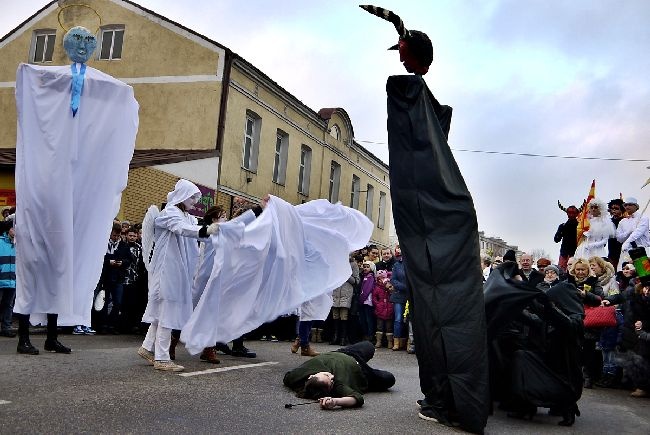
(583, 222)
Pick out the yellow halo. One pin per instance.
(79, 5)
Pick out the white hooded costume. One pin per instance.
(172, 269)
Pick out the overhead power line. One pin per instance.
(547, 156)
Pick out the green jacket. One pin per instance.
(349, 380)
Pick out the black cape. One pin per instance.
(436, 225)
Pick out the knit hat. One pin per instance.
(510, 255)
(372, 265)
(554, 268)
(381, 275)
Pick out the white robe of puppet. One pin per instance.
(289, 255)
(174, 262)
(70, 174)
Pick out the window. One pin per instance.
(251, 141)
(335, 132)
(112, 38)
(381, 222)
(369, 195)
(280, 160)
(42, 48)
(354, 194)
(335, 179)
(304, 170)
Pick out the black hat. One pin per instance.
(510, 255)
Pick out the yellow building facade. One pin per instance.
(206, 114)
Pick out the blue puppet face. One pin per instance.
(79, 44)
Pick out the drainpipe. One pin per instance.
(223, 107)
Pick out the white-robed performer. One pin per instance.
(171, 273)
(287, 256)
(76, 135)
(601, 229)
(633, 230)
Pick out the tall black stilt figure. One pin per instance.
(436, 225)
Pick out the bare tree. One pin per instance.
(539, 253)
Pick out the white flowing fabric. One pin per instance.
(594, 244)
(206, 259)
(174, 262)
(70, 174)
(286, 257)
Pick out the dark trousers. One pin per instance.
(116, 292)
(23, 327)
(7, 296)
(362, 352)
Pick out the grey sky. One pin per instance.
(545, 77)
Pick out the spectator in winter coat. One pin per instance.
(398, 297)
(366, 310)
(383, 309)
(591, 294)
(635, 338)
(7, 277)
(342, 299)
(387, 260)
(116, 262)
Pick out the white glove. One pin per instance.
(625, 247)
(212, 229)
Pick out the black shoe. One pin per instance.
(7, 333)
(223, 348)
(430, 413)
(524, 414)
(243, 352)
(421, 403)
(607, 381)
(26, 348)
(56, 346)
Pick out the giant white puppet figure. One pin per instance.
(76, 135)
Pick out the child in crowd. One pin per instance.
(383, 309)
(366, 310)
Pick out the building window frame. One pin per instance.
(355, 192)
(370, 193)
(334, 182)
(251, 142)
(109, 35)
(381, 219)
(304, 170)
(280, 157)
(48, 36)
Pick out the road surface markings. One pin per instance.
(4, 402)
(226, 369)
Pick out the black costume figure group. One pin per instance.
(534, 339)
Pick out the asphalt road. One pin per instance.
(104, 387)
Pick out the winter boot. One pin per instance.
(308, 351)
(314, 335)
(378, 336)
(389, 340)
(343, 333)
(295, 345)
(335, 338)
(397, 345)
(319, 335)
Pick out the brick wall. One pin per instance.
(146, 186)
